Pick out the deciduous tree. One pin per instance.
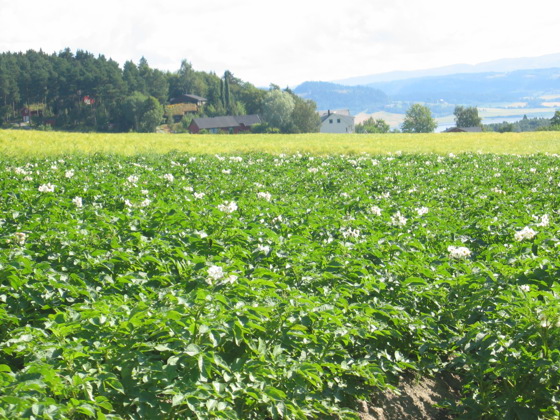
(305, 118)
(418, 119)
(141, 113)
(372, 125)
(467, 116)
(277, 108)
(555, 120)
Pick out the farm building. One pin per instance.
(463, 130)
(184, 104)
(339, 121)
(231, 124)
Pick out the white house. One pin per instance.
(339, 121)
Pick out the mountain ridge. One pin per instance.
(500, 65)
(523, 89)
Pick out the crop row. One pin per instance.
(290, 286)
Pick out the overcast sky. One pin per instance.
(286, 42)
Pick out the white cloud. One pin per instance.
(284, 42)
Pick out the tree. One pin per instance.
(555, 120)
(141, 113)
(506, 127)
(304, 118)
(152, 114)
(182, 81)
(467, 116)
(372, 126)
(226, 91)
(418, 119)
(157, 85)
(132, 78)
(277, 108)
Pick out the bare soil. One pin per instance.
(417, 399)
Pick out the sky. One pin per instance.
(286, 42)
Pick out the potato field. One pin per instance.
(261, 286)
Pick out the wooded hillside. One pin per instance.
(78, 91)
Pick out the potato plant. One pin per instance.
(276, 286)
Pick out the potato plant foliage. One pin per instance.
(290, 286)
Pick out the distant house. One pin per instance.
(464, 130)
(33, 110)
(339, 121)
(187, 98)
(229, 124)
(184, 104)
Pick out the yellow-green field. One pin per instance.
(38, 143)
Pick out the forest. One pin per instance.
(81, 92)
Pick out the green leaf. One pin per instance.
(172, 361)
(192, 350)
(414, 281)
(177, 399)
(275, 393)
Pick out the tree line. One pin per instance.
(82, 92)
(419, 119)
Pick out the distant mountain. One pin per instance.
(441, 93)
(334, 96)
(502, 65)
(475, 88)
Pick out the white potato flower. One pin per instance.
(265, 249)
(350, 233)
(375, 210)
(77, 202)
(525, 233)
(266, 195)
(422, 210)
(46, 188)
(458, 252)
(20, 237)
(215, 273)
(228, 207)
(398, 219)
(544, 221)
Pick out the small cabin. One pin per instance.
(187, 98)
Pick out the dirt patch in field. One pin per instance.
(417, 399)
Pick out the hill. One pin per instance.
(521, 89)
(333, 96)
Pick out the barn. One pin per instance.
(228, 124)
